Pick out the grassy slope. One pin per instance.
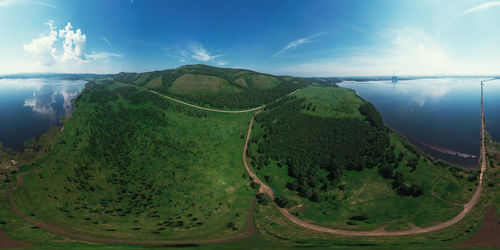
(196, 84)
(198, 182)
(366, 192)
(216, 87)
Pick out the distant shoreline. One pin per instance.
(447, 150)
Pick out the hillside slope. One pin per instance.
(131, 164)
(329, 158)
(218, 87)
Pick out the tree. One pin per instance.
(398, 180)
(263, 199)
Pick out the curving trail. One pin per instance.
(211, 109)
(379, 232)
(207, 109)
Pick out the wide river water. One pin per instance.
(441, 116)
(29, 107)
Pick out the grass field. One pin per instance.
(331, 102)
(196, 84)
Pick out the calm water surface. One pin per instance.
(28, 107)
(440, 116)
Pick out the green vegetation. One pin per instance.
(492, 175)
(332, 161)
(217, 87)
(131, 164)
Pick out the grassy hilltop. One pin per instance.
(218, 87)
(131, 164)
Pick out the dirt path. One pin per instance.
(211, 109)
(51, 228)
(466, 207)
(207, 109)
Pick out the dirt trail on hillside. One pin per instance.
(466, 207)
(207, 109)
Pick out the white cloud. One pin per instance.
(5, 3)
(201, 54)
(292, 44)
(73, 44)
(106, 41)
(410, 52)
(102, 55)
(67, 46)
(482, 6)
(297, 42)
(42, 48)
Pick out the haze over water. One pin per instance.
(29, 107)
(436, 115)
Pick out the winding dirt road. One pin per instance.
(379, 232)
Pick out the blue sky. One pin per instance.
(301, 38)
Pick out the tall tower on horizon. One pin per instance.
(394, 78)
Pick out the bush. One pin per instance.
(285, 202)
(263, 199)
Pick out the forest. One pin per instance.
(308, 144)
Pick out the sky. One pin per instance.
(298, 38)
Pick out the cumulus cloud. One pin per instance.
(73, 44)
(67, 45)
(482, 6)
(43, 48)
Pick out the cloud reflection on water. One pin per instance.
(52, 103)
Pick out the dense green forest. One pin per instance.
(307, 144)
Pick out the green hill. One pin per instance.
(131, 164)
(218, 87)
(327, 154)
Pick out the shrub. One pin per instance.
(263, 199)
